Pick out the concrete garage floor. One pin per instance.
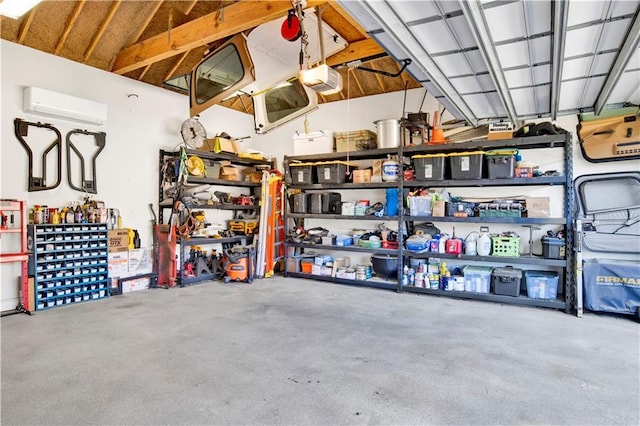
(288, 351)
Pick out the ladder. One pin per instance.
(270, 248)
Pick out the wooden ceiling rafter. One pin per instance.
(69, 26)
(175, 66)
(347, 17)
(146, 22)
(355, 78)
(383, 88)
(26, 23)
(355, 51)
(144, 72)
(190, 7)
(103, 27)
(238, 17)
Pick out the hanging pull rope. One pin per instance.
(319, 17)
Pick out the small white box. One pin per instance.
(118, 263)
(135, 285)
(140, 260)
(320, 142)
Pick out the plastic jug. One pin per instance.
(484, 242)
(471, 244)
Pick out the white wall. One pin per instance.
(136, 128)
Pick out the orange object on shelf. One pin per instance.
(437, 134)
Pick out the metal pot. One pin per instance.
(385, 265)
(388, 133)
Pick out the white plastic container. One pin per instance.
(320, 142)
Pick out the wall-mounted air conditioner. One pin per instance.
(58, 105)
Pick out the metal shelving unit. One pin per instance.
(186, 242)
(21, 255)
(69, 263)
(562, 142)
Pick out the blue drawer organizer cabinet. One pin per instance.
(68, 263)
(559, 146)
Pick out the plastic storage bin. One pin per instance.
(315, 203)
(505, 246)
(333, 171)
(299, 203)
(466, 165)
(506, 281)
(477, 279)
(541, 284)
(430, 166)
(501, 164)
(302, 173)
(553, 248)
(419, 206)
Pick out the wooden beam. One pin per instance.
(380, 83)
(24, 28)
(144, 72)
(176, 65)
(238, 17)
(190, 7)
(355, 78)
(147, 21)
(68, 26)
(103, 27)
(347, 17)
(354, 51)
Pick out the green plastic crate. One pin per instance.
(505, 246)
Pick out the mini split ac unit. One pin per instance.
(48, 103)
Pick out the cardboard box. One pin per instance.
(135, 285)
(118, 240)
(251, 175)
(438, 208)
(140, 261)
(376, 169)
(228, 171)
(118, 263)
(362, 176)
(31, 299)
(498, 131)
(340, 262)
(221, 145)
(538, 206)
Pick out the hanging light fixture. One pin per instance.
(322, 78)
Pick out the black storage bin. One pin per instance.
(299, 203)
(302, 173)
(331, 203)
(315, 203)
(430, 166)
(506, 281)
(466, 165)
(500, 165)
(553, 247)
(334, 171)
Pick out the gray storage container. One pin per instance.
(506, 281)
(299, 203)
(315, 203)
(331, 203)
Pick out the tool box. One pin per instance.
(553, 247)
